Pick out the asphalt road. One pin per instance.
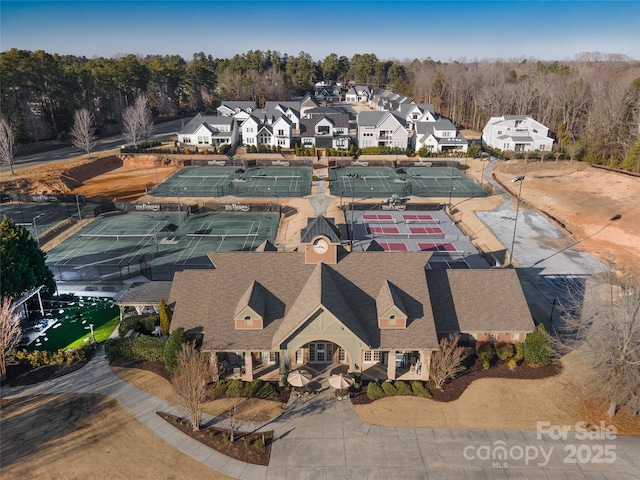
(163, 131)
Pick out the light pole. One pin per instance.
(78, 205)
(155, 231)
(519, 179)
(353, 200)
(450, 188)
(35, 227)
(176, 191)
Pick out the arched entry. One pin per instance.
(321, 352)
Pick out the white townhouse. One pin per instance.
(438, 136)
(238, 109)
(271, 131)
(291, 110)
(517, 133)
(325, 131)
(382, 129)
(204, 131)
(417, 112)
(358, 94)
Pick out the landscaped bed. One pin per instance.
(252, 447)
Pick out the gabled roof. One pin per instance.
(254, 298)
(375, 118)
(320, 225)
(320, 291)
(266, 246)
(205, 302)
(206, 120)
(388, 297)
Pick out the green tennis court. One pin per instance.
(222, 181)
(115, 247)
(418, 181)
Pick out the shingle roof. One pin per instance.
(478, 301)
(147, 293)
(320, 225)
(206, 300)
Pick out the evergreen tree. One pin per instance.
(165, 317)
(23, 263)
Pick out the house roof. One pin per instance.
(206, 300)
(206, 120)
(144, 293)
(374, 118)
(469, 301)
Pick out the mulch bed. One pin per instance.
(19, 374)
(452, 390)
(244, 447)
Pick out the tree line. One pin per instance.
(591, 103)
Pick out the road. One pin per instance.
(163, 131)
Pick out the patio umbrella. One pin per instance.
(340, 381)
(299, 378)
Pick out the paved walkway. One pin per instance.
(319, 437)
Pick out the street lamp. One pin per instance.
(176, 191)
(518, 179)
(450, 188)
(155, 230)
(35, 227)
(353, 176)
(78, 205)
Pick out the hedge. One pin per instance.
(377, 390)
(144, 324)
(239, 388)
(140, 348)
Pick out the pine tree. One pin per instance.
(23, 263)
(165, 317)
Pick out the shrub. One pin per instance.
(389, 389)
(486, 364)
(512, 364)
(267, 392)
(357, 381)
(519, 354)
(537, 347)
(249, 389)
(485, 354)
(171, 349)
(374, 391)
(504, 350)
(259, 443)
(247, 441)
(420, 389)
(139, 323)
(139, 348)
(235, 388)
(220, 388)
(402, 388)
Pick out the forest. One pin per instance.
(591, 103)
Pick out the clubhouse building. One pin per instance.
(379, 313)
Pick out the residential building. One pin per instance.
(325, 131)
(358, 94)
(204, 131)
(327, 93)
(382, 129)
(517, 133)
(439, 136)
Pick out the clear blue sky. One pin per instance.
(442, 30)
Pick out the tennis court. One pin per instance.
(419, 181)
(408, 231)
(115, 247)
(222, 181)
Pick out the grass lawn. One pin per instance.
(71, 328)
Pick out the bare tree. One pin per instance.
(601, 321)
(137, 122)
(446, 363)
(83, 132)
(10, 332)
(37, 127)
(7, 143)
(191, 381)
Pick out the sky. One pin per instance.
(443, 30)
